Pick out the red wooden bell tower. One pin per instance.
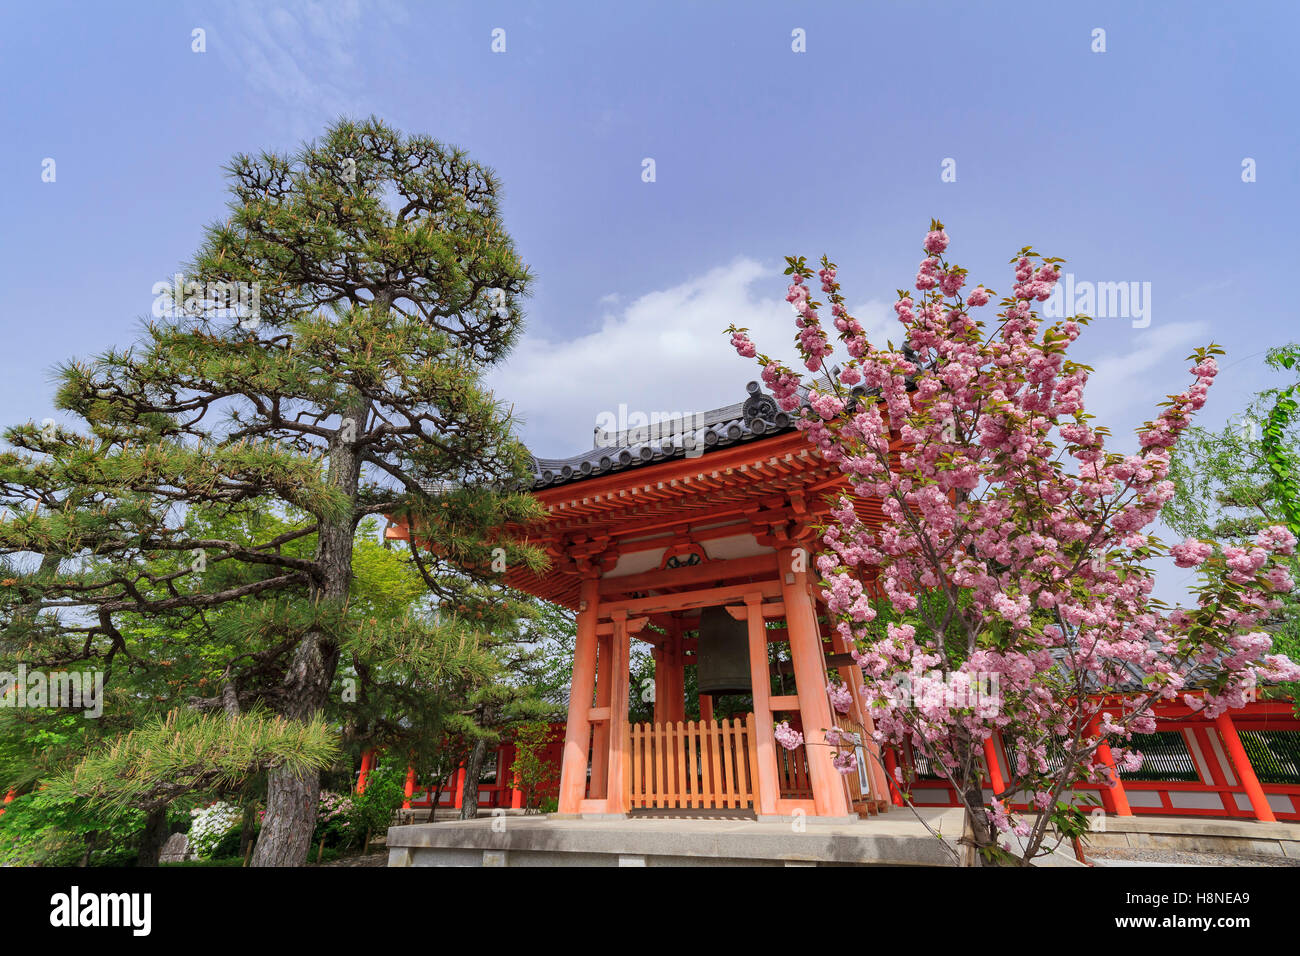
(645, 534)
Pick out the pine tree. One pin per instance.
(323, 355)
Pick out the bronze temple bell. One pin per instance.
(722, 654)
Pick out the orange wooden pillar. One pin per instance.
(1113, 798)
(516, 793)
(829, 796)
(621, 644)
(577, 733)
(1245, 772)
(891, 765)
(367, 764)
(600, 728)
(1201, 736)
(409, 791)
(460, 787)
(852, 676)
(766, 786)
(994, 766)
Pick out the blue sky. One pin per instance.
(1127, 163)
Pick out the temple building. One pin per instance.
(696, 536)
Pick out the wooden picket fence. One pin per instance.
(792, 774)
(705, 764)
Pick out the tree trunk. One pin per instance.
(290, 818)
(291, 799)
(473, 772)
(154, 838)
(976, 833)
(91, 839)
(434, 798)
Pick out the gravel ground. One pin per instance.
(378, 856)
(1188, 857)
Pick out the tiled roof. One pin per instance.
(1199, 677)
(699, 433)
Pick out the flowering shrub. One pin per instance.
(210, 825)
(1014, 541)
(333, 806)
(333, 823)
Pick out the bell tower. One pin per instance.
(698, 546)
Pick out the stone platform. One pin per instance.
(1198, 834)
(895, 839)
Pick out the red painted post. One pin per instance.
(577, 735)
(460, 787)
(410, 787)
(600, 729)
(1204, 743)
(767, 786)
(891, 764)
(1118, 799)
(367, 762)
(1245, 772)
(830, 796)
(995, 768)
(618, 716)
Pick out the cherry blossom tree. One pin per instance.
(1013, 554)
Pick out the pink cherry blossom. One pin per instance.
(742, 344)
(1191, 553)
(995, 498)
(787, 736)
(840, 696)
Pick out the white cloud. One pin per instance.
(666, 351)
(1123, 390)
(298, 57)
(663, 351)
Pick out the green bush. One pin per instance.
(43, 829)
(372, 811)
